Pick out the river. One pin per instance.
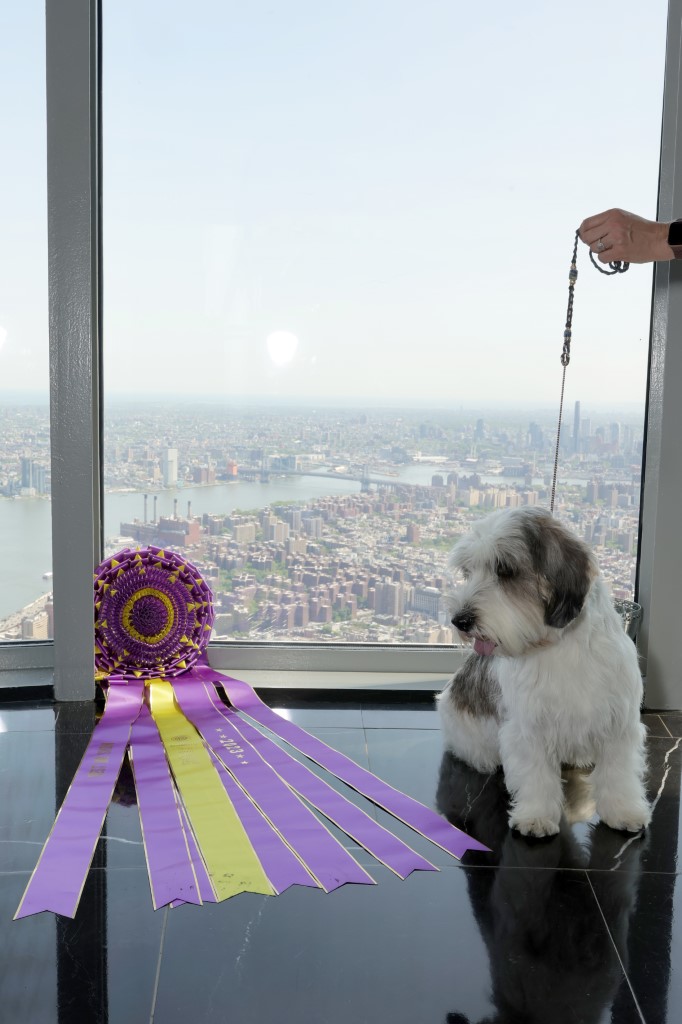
(25, 523)
(25, 530)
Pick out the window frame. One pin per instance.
(73, 80)
(659, 568)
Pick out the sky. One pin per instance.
(367, 199)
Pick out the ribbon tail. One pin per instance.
(324, 857)
(279, 861)
(59, 876)
(382, 844)
(206, 890)
(169, 865)
(230, 860)
(403, 807)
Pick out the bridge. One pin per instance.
(365, 480)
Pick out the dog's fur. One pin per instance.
(554, 679)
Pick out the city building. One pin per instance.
(169, 465)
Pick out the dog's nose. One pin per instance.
(463, 621)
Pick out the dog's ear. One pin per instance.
(566, 597)
(566, 568)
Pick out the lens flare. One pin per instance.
(281, 346)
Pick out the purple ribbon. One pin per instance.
(203, 880)
(168, 859)
(413, 813)
(58, 879)
(326, 859)
(377, 840)
(280, 863)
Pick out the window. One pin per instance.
(336, 250)
(25, 522)
(362, 174)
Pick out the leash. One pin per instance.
(616, 267)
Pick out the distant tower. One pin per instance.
(169, 463)
(27, 472)
(576, 428)
(615, 432)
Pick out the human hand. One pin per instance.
(619, 235)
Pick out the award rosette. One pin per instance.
(223, 808)
(153, 614)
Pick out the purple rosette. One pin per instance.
(153, 614)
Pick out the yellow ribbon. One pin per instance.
(230, 859)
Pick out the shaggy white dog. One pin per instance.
(554, 679)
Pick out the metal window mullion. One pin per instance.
(73, 184)
(398, 659)
(660, 567)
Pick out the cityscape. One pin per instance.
(361, 555)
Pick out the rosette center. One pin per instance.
(148, 615)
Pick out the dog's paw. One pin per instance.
(538, 827)
(626, 819)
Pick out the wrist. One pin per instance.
(673, 240)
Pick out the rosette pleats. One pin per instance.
(224, 807)
(153, 614)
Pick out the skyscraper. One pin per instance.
(576, 428)
(27, 472)
(169, 465)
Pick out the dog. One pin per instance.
(553, 678)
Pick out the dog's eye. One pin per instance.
(504, 571)
(464, 573)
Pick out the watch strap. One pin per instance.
(675, 238)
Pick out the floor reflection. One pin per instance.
(552, 957)
(585, 927)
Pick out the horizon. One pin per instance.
(340, 404)
(273, 223)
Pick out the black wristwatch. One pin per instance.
(675, 238)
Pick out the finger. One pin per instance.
(602, 233)
(603, 244)
(591, 225)
(611, 255)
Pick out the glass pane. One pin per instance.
(337, 241)
(25, 522)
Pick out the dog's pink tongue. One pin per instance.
(484, 646)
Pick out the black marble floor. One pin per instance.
(583, 928)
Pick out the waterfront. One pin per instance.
(25, 523)
(339, 563)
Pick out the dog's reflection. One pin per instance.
(551, 958)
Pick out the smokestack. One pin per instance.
(146, 499)
(156, 498)
(189, 509)
(175, 508)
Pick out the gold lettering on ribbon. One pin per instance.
(101, 758)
